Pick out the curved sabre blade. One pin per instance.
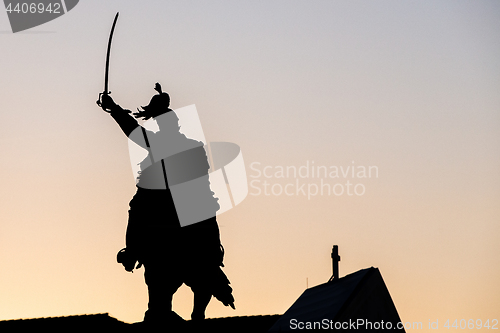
(107, 56)
(106, 72)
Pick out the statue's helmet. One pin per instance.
(158, 105)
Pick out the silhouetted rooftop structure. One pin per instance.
(68, 324)
(103, 322)
(361, 295)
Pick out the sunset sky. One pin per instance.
(411, 88)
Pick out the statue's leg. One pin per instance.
(201, 300)
(204, 257)
(161, 288)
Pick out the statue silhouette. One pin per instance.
(172, 229)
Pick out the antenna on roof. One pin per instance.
(335, 263)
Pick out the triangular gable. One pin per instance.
(361, 295)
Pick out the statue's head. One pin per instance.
(158, 105)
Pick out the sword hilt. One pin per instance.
(99, 101)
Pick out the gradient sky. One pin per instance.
(410, 87)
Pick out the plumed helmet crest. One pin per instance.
(158, 88)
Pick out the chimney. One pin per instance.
(335, 263)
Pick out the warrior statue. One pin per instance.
(174, 248)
